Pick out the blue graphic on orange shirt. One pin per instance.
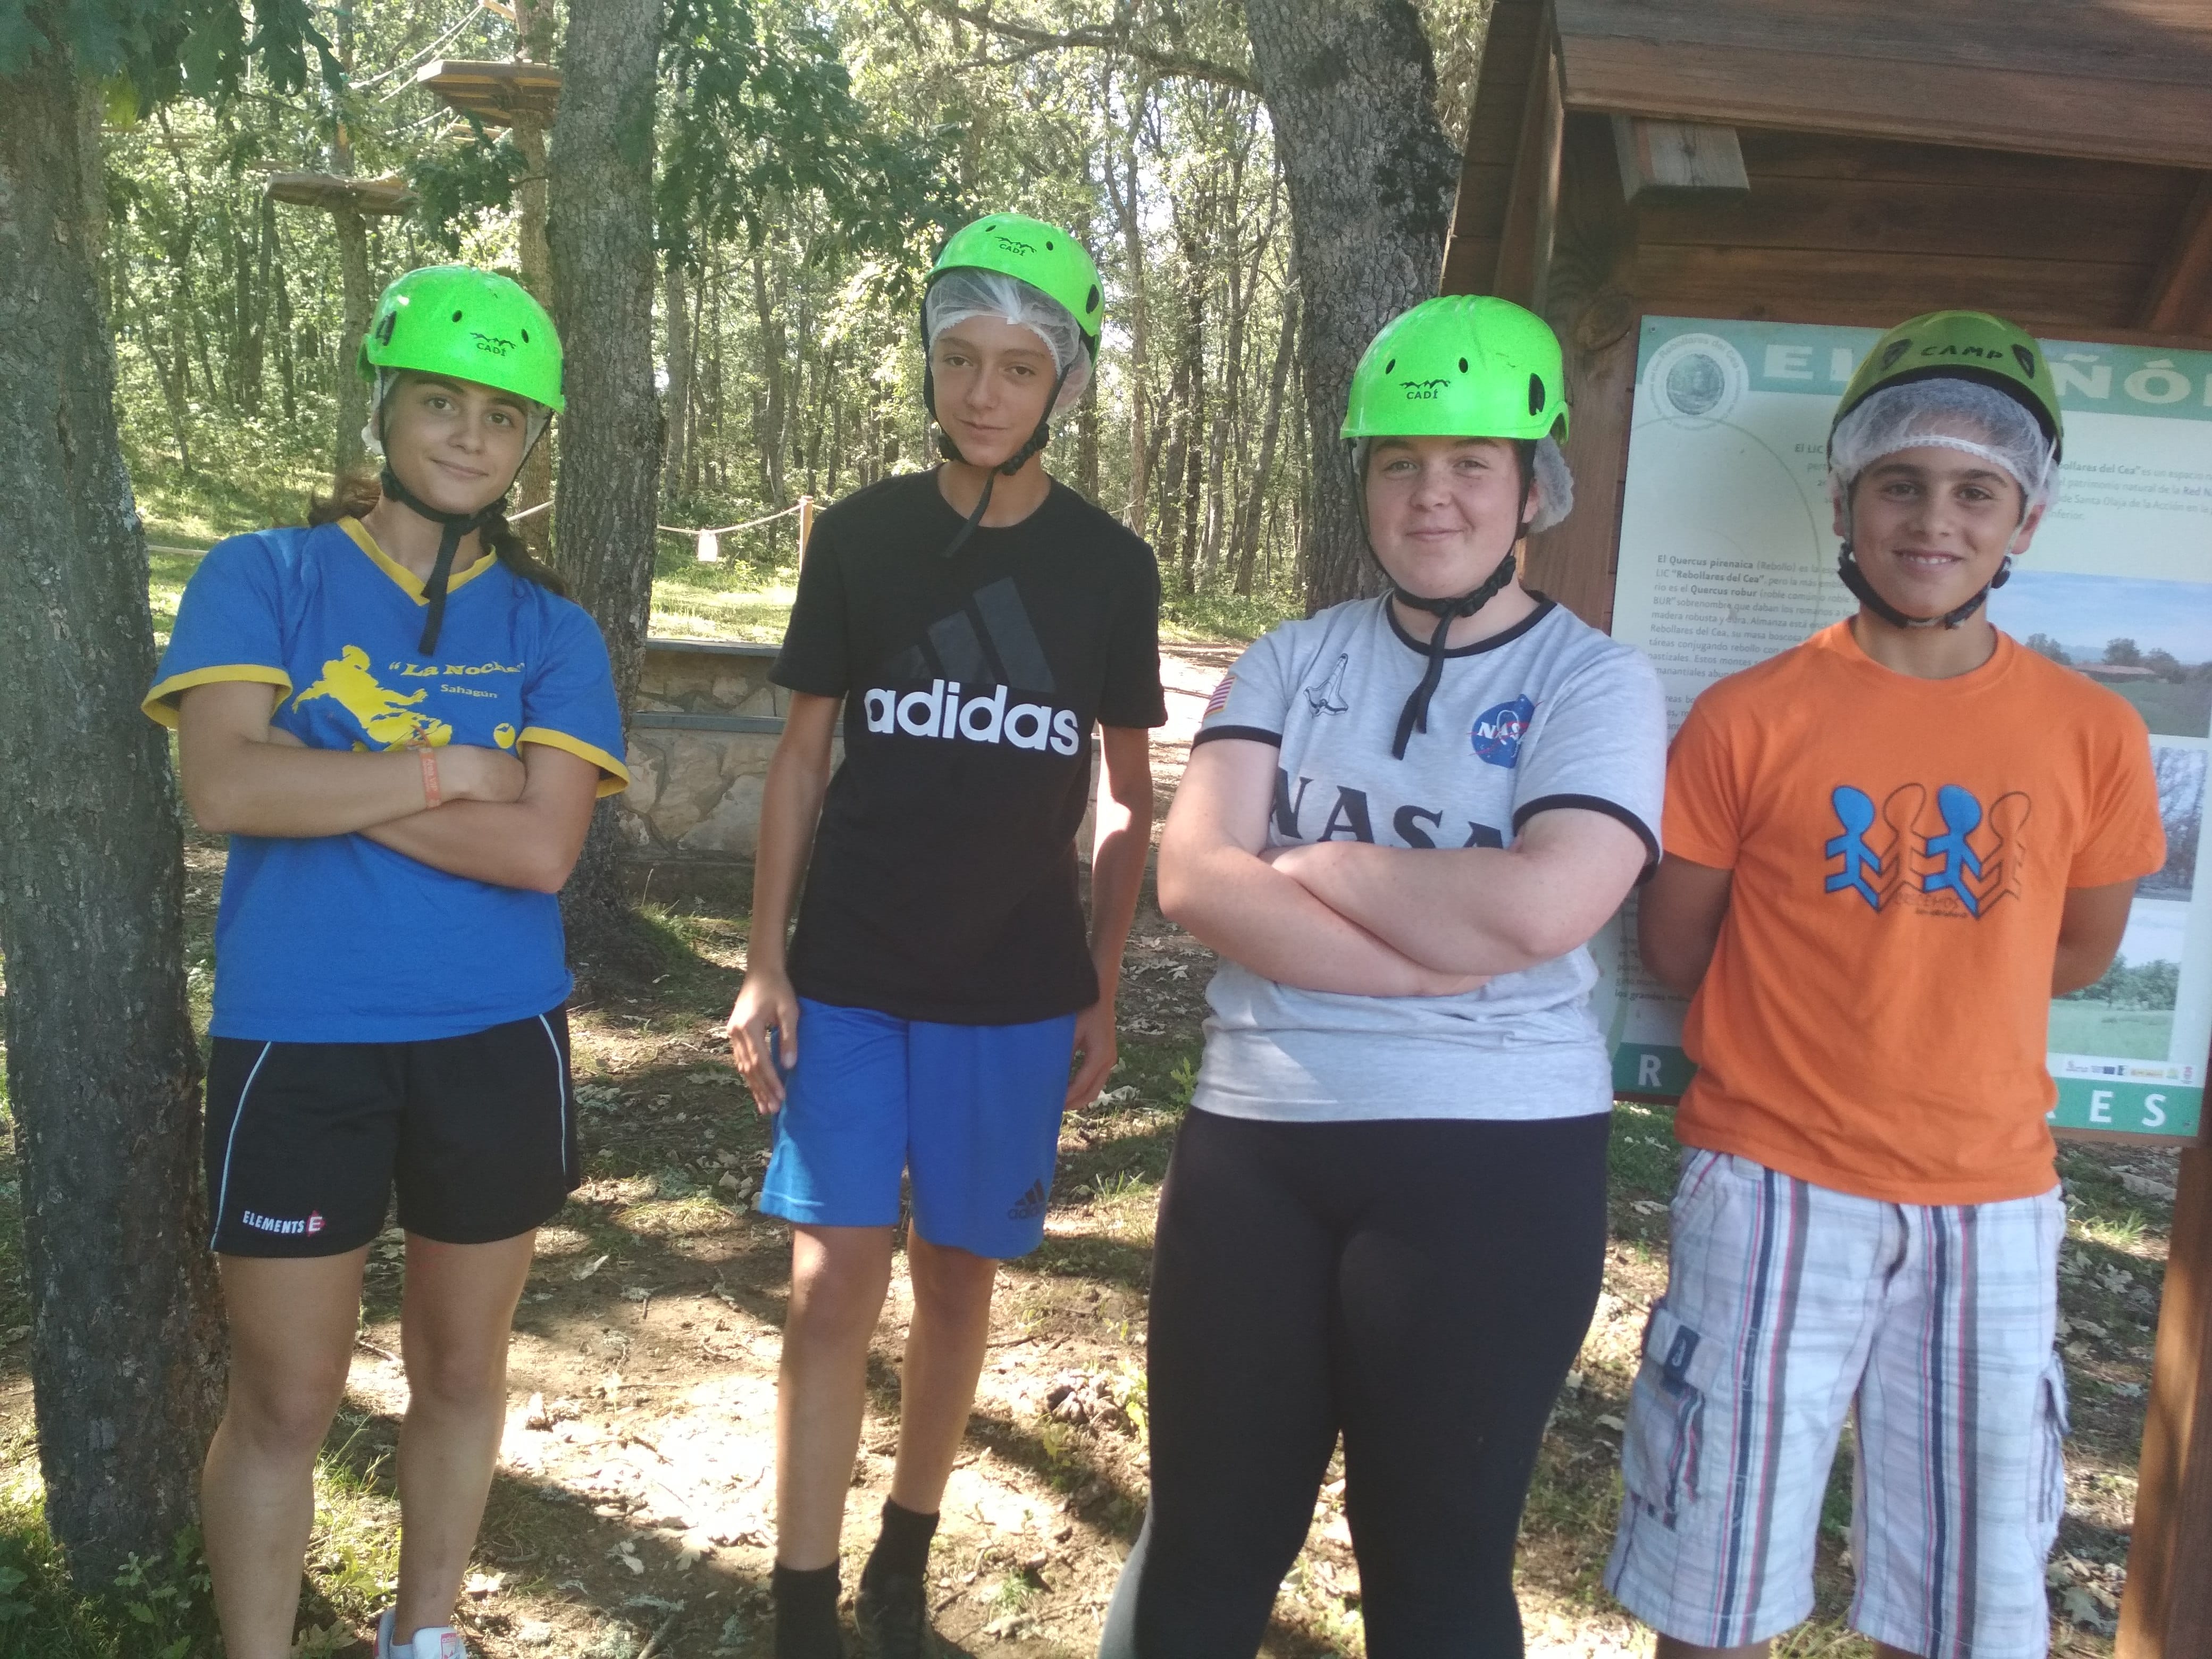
(387, 718)
(1962, 815)
(1854, 811)
(1959, 864)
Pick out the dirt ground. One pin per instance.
(632, 1515)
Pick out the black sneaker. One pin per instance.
(893, 1616)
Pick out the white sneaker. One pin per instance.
(443, 1642)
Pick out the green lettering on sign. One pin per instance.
(2144, 1108)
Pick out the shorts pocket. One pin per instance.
(1660, 1456)
(2052, 1427)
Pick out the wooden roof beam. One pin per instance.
(1678, 157)
(1524, 252)
(2179, 298)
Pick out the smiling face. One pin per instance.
(1930, 526)
(994, 380)
(456, 444)
(1442, 512)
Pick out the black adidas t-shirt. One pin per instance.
(943, 886)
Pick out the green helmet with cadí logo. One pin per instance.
(1962, 345)
(1463, 366)
(1044, 255)
(468, 323)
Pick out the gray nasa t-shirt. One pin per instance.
(1549, 713)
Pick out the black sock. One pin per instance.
(806, 1613)
(902, 1549)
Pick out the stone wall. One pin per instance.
(701, 733)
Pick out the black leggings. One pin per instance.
(1421, 1287)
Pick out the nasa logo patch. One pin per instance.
(1498, 730)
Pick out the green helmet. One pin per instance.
(1962, 345)
(1463, 366)
(469, 323)
(1044, 255)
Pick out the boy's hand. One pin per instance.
(1095, 1041)
(765, 1003)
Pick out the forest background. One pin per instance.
(786, 342)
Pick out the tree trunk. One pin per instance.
(103, 1072)
(1351, 89)
(599, 226)
(1229, 415)
(768, 416)
(535, 266)
(1248, 530)
(1128, 210)
(360, 301)
(676, 304)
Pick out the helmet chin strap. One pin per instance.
(1011, 466)
(451, 527)
(1847, 567)
(1414, 716)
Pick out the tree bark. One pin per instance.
(352, 231)
(676, 306)
(1128, 210)
(599, 227)
(769, 417)
(535, 266)
(1351, 89)
(1248, 530)
(103, 1072)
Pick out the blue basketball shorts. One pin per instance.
(969, 1113)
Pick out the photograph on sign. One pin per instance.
(1727, 556)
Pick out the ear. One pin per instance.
(2028, 527)
(1839, 498)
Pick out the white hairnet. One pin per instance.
(1557, 483)
(1553, 478)
(1944, 414)
(965, 292)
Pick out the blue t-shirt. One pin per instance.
(334, 938)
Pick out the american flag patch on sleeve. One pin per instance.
(1220, 700)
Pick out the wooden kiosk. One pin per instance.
(1857, 161)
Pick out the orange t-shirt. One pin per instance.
(1876, 1014)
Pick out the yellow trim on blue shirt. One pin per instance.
(617, 774)
(160, 703)
(409, 582)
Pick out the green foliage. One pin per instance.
(456, 185)
(765, 117)
(2146, 985)
(152, 50)
(159, 1608)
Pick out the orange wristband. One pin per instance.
(431, 795)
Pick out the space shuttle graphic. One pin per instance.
(1328, 697)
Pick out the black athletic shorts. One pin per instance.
(305, 1141)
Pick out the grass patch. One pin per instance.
(159, 1609)
(2095, 1028)
(1204, 616)
(2180, 711)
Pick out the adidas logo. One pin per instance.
(1032, 1204)
(940, 712)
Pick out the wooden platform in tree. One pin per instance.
(370, 196)
(499, 93)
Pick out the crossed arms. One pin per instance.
(508, 821)
(1369, 920)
